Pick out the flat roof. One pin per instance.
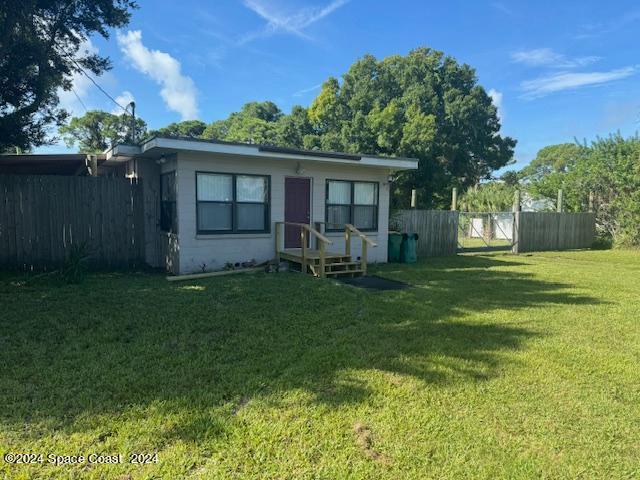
(158, 145)
(21, 158)
(45, 164)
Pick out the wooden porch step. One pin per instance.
(342, 264)
(344, 272)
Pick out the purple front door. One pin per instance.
(297, 208)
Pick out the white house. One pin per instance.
(209, 203)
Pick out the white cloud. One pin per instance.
(74, 100)
(288, 22)
(557, 82)
(501, 7)
(546, 57)
(124, 99)
(178, 91)
(303, 92)
(497, 97)
(598, 29)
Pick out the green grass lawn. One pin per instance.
(469, 242)
(493, 366)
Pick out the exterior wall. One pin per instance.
(213, 251)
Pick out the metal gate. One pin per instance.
(481, 232)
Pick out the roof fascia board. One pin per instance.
(254, 151)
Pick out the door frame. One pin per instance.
(284, 212)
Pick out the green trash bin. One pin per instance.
(395, 242)
(408, 248)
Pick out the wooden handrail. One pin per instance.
(309, 229)
(322, 242)
(360, 234)
(352, 229)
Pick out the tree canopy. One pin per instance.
(489, 197)
(187, 128)
(96, 131)
(41, 46)
(422, 105)
(547, 173)
(608, 167)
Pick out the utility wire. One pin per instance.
(79, 99)
(99, 87)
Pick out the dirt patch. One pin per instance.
(364, 440)
(243, 401)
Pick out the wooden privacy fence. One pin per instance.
(533, 231)
(542, 231)
(437, 230)
(42, 218)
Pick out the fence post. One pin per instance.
(516, 232)
(517, 208)
(413, 198)
(560, 205)
(92, 165)
(591, 202)
(454, 199)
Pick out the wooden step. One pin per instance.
(341, 264)
(333, 261)
(344, 272)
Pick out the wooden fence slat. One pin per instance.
(537, 231)
(545, 231)
(437, 230)
(43, 217)
(4, 221)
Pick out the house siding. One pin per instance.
(211, 252)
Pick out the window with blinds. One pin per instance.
(232, 203)
(351, 202)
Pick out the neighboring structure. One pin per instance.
(531, 204)
(68, 164)
(211, 203)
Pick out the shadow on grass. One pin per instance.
(121, 343)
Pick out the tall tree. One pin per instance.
(187, 128)
(488, 197)
(292, 129)
(256, 122)
(609, 168)
(422, 105)
(550, 172)
(40, 48)
(96, 131)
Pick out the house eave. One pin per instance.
(157, 146)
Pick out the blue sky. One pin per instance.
(559, 70)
